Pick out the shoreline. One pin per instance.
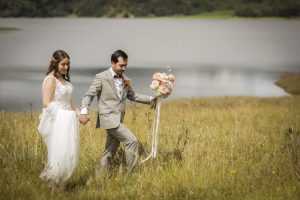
(290, 82)
(8, 28)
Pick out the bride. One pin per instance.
(58, 121)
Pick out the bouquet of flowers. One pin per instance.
(162, 84)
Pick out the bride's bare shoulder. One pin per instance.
(49, 82)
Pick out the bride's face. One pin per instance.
(63, 66)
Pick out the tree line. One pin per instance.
(145, 8)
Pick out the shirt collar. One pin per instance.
(112, 72)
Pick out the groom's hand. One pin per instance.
(83, 119)
(153, 102)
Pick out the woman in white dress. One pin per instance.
(59, 121)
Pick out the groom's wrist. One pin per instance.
(151, 98)
(84, 111)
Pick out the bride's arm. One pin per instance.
(74, 107)
(48, 90)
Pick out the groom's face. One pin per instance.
(120, 66)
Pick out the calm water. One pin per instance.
(209, 57)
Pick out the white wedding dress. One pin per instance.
(60, 131)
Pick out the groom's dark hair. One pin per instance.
(117, 54)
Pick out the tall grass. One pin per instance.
(209, 148)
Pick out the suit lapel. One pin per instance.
(111, 82)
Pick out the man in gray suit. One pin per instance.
(112, 87)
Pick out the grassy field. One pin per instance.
(227, 14)
(290, 82)
(209, 148)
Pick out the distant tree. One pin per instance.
(259, 8)
(139, 8)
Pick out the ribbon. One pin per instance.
(155, 128)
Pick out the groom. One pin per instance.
(111, 88)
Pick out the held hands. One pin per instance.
(83, 119)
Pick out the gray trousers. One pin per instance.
(113, 139)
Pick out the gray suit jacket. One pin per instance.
(111, 108)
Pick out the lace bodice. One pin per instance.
(62, 94)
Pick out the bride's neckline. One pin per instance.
(64, 84)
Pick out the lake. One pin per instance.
(236, 57)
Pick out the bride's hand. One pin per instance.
(83, 119)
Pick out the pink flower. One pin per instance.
(162, 84)
(127, 82)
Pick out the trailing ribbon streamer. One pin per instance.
(155, 128)
(162, 84)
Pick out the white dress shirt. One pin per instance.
(119, 83)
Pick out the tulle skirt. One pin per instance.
(60, 131)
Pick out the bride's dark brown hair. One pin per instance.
(58, 56)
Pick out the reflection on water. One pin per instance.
(20, 89)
